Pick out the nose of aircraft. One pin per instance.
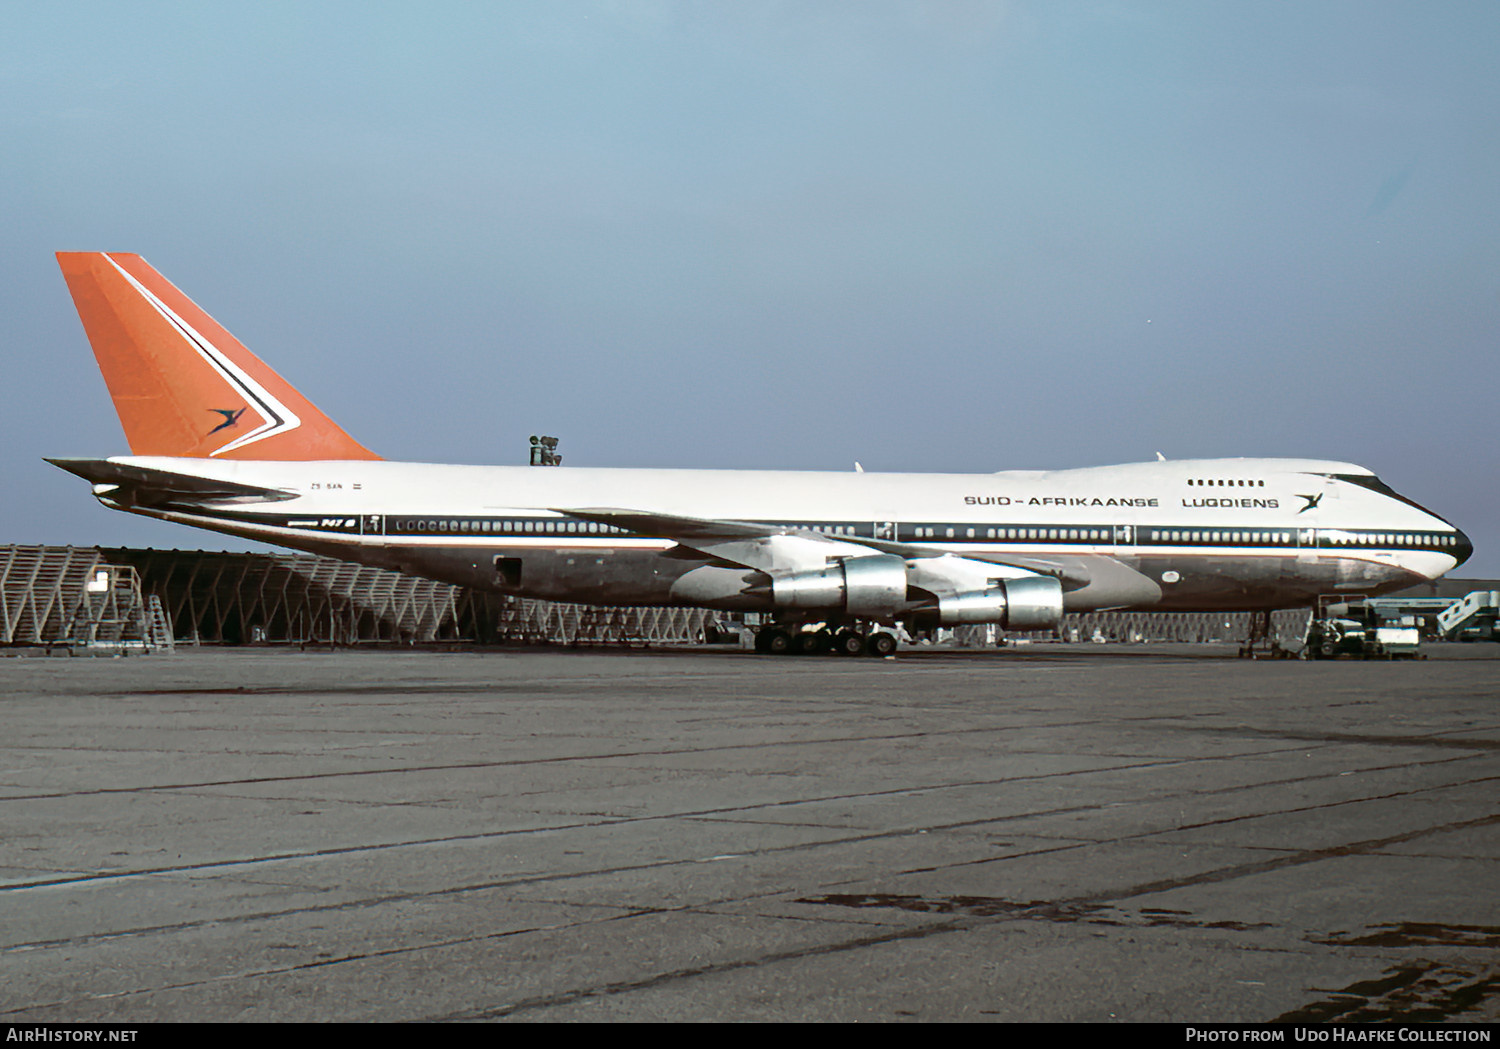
(1464, 549)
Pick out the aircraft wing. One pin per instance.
(769, 548)
(149, 486)
(765, 548)
(1072, 573)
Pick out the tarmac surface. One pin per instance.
(1071, 833)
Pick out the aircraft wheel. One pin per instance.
(848, 643)
(815, 643)
(773, 641)
(881, 644)
(779, 643)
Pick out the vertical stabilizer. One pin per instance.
(184, 386)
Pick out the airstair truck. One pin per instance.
(1472, 617)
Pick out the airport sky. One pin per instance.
(957, 235)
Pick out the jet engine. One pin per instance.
(963, 590)
(966, 590)
(872, 587)
(1028, 603)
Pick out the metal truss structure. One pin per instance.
(76, 597)
(232, 598)
(1288, 628)
(229, 598)
(528, 620)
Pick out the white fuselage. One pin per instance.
(1225, 533)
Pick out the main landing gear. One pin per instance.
(782, 639)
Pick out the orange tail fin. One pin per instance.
(182, 384)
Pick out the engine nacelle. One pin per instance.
(984, 606)
(1028, 603)
(872, 587)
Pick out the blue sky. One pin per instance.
(945, 235)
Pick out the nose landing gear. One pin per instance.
(1262, 643)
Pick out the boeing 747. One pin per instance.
(220, 441)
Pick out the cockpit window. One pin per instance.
(1375, 484)
(1369, 481)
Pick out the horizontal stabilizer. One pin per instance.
(147, 484)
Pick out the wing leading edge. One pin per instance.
(772, 549)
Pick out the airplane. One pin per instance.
(835, 560)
